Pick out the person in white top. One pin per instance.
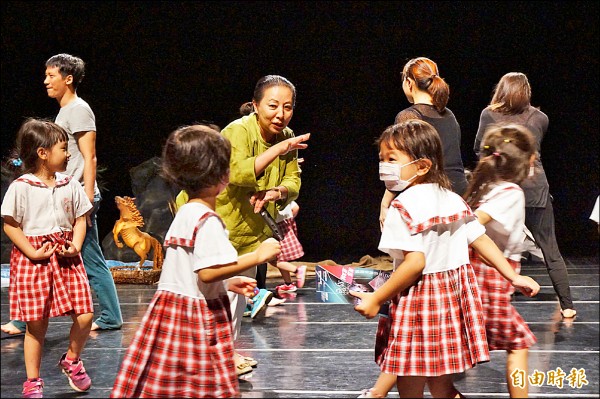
(595, 215)
(184, 345)
(44, 216)
(435, 327)
(494, 193)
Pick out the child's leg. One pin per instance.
(385, 383)
(411, 387)
(443, 387)
(285, 268)
(516, 359)
(33, 346)
(80, 330)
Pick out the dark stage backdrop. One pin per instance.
(152, 66)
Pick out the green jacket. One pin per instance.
(246, 228)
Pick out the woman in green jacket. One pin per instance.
(264, 172)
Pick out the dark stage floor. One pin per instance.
(310, 349)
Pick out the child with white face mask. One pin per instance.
(436, 325)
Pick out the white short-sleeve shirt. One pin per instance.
(431, 220)
(196, 239)
(505, 203)
(42, 210)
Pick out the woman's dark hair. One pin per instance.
(33, 134)
(505, 156)
(512, 94)
(418, 139)
(425, 74)
(269, 81)
(195, 157)
(246, 108)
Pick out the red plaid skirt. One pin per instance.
(291, 249)
(505, 328)
(182, 349)
(436, 327)
(52, 287)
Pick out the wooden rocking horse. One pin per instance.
(141, 242)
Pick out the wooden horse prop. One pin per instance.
(128, 227)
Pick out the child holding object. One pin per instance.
(184, 345)
(44, 216)
(499, 203)
(291, 249)
(436, 326)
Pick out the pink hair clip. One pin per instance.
(496, 154)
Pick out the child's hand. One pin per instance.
(68, 250)
(45, 251)
(241, 285)
(268, 249)
(526, 285)
(368, 306)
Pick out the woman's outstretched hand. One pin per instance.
(294, 143)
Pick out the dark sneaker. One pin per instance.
(78, 378)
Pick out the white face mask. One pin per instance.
(390, 174)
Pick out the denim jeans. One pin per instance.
(99, 275)
(100, 278)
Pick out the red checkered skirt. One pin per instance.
(291, 249)
(52, 287)
(436, 327)
(182, 349)
(505, 328)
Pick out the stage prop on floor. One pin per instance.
(128, 229)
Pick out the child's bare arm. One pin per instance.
(267, 250)
(15, 234)
(490, 252)
(406, 274)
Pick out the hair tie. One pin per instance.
(17, 162)
(434, 75)
(486, 147)
(507, 140)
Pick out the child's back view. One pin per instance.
(499, 203)
(184, 346)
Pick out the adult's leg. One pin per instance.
(14, 327)
(261, 276)
(100, 278)
(540, 221)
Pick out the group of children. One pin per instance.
(456, 264)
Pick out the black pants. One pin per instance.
(261, 276)
(540, 221)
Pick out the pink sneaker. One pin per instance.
(286, 287)
(78, 378)
(33, 388)
(300, 276)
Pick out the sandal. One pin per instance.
(251, 361)
(246, 359)
(568, 313)
(243, 368)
